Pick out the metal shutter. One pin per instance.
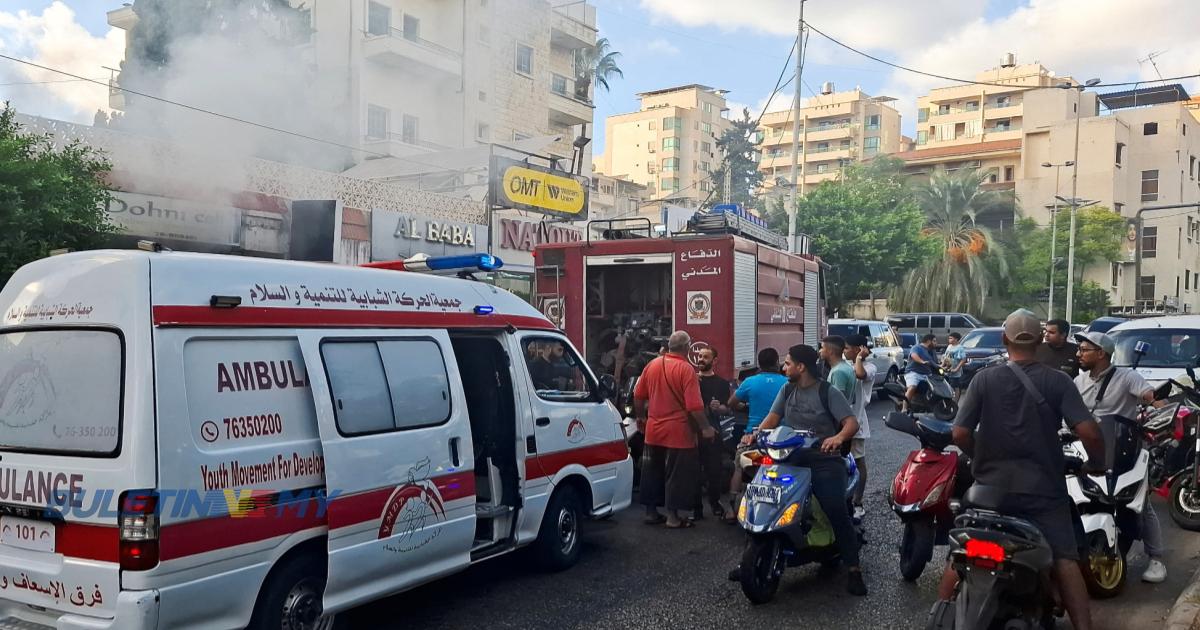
(812, 309)
(745, 309)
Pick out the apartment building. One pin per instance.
(1143, 153)
(419, 77)
(615, 198)
(670, 144)
(979, 126)
(836, 129)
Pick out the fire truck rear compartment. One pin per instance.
(634, 299)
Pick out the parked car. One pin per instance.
(886, 352)
(1174, 345)
(1104, 324)
(983, 345)
(1076, 329)
(940, 324)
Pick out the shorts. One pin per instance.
(912, 379)
(858, 448)
(1053, 518)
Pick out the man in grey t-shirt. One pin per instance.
(799, 406)
(1013, 442)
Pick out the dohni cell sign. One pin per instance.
(164, 218)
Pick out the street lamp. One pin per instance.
(1074, 191)
(1054, 231)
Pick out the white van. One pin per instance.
(1173, 346)
(194, 441)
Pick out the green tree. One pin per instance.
(596, 65)
(740, 150)
(1097, 241)
(50, 197)
(958, 278)
(866, 226)
(1091, 301)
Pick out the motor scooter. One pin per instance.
(922, 490)
(785, 526)
(1173, 436)
(1110, 504)
(934, 396)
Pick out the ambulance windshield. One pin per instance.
(60, 391)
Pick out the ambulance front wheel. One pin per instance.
(291, 598)
(557, 546)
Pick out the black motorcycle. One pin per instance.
(934, 396)
(1173, 438)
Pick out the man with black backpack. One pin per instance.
(810, 404)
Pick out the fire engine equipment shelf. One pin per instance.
(728, 223)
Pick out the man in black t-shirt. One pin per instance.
(1013, 443)
(714, 391)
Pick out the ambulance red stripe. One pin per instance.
(187, 316)
(179, 540)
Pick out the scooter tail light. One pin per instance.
(985, 551)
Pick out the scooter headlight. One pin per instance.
(1091, 489)
(934, 495)
(780, 454)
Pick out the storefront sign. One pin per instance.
(524, 235)
(164, 218)
(395, 235)
(528, 187)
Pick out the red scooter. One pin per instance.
(921, 492)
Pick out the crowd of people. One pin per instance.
(1008, 423)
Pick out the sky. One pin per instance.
(735, 45)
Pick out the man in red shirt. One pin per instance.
(667, 399)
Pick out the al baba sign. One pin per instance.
(523, 186)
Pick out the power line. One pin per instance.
(960, 80)
(224, 116)
(46, 82)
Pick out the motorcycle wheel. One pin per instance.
(761, 569)
(916, 548)
(1185, 503)
(1104, 569)
(945, 410)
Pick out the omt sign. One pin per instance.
(528, 187)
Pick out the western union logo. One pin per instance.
(527, 187)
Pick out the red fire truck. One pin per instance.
(618, 299)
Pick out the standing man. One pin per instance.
(714, 391)
(955, 359)
(920, 366)
(839, 374)
(756, 394)
(1008, 424)
(667, 399)
(1112, 391)
(864, 373)
(1058, 352)
(799, 406)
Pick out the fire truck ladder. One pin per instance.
(729, 223)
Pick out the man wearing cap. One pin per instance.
(1008, 423)
(1112, 391)
(799, 405)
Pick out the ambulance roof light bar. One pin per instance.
(425, 263)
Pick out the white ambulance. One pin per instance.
(195, 441)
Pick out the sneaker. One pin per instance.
(859, 512)
(855, 584)
(1156, 572)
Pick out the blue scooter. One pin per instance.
(785, 527)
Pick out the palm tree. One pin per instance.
(596, 64)
(959, 278)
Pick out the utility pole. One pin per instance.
(796, 131)
(1075, 196)
(728, 177)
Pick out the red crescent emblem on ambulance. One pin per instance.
(576, 431)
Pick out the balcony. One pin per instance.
(1002, 112)
(396, 144)
(399, 49)
(829, 132)
(572, 25)
(123, 18)
(566, 108)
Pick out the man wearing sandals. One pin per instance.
(667, 401)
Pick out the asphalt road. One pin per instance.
(635, 576)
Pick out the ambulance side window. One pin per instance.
(557, 372)
(387, 385)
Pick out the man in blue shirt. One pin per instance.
(955, 359)
(758, 393)
(920, 365)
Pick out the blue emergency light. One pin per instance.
(423, 262)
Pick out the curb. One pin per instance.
(1185, 613)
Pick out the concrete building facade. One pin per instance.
(1131, 160)
(669, 145)
(836, 129)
